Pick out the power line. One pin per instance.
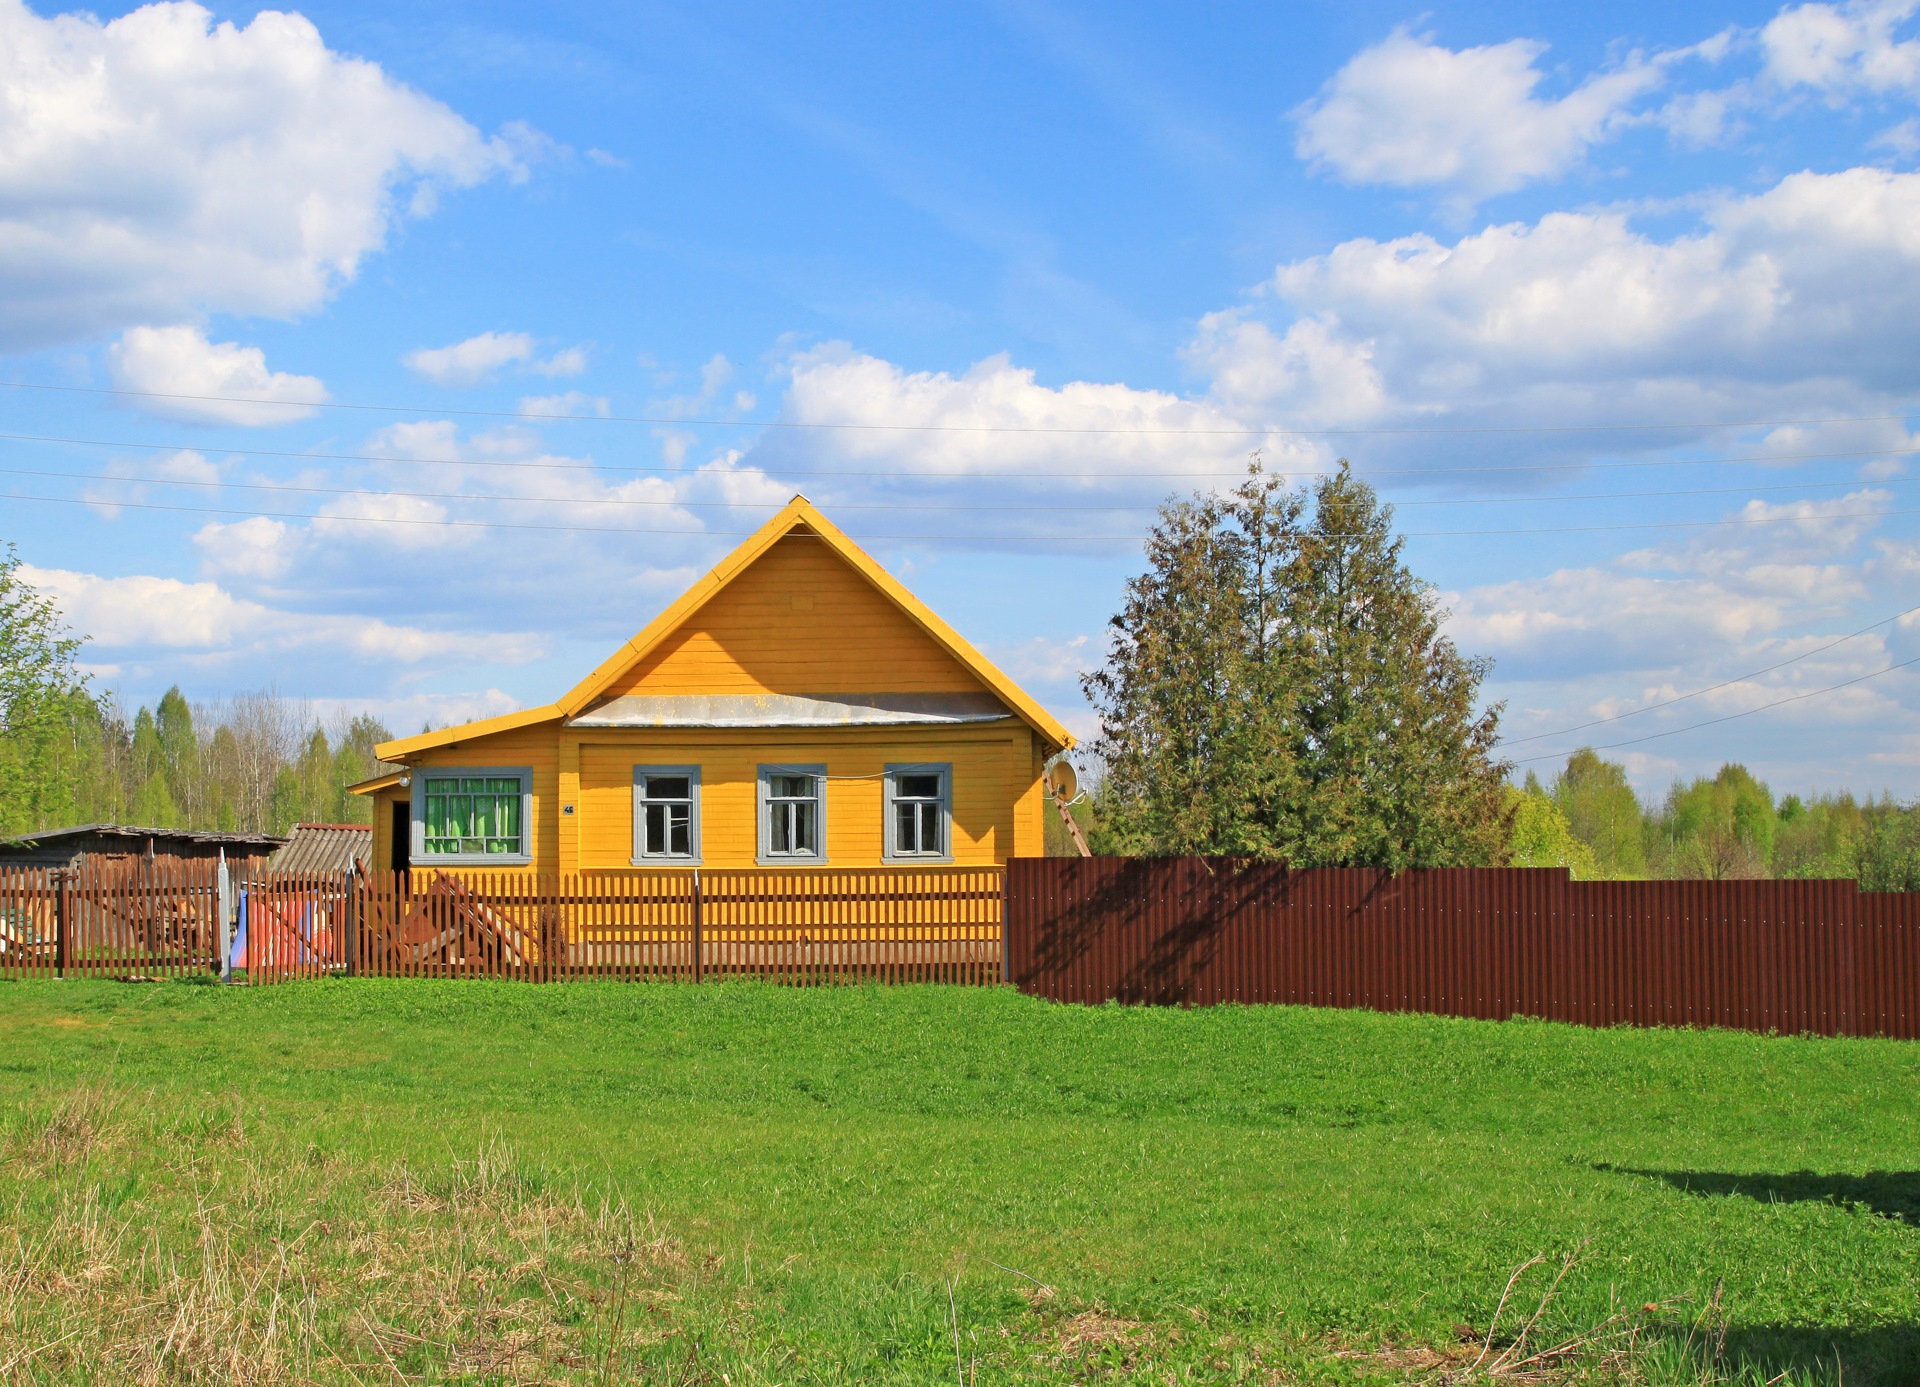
(1731, 717)
(973, 538)
(1712, 688)
(902, 474)
(295, 488)
(684, 422)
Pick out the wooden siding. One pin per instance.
(799, 621)
(990, 774)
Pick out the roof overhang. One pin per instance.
(367, 787)
(794, 710)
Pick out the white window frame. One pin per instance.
(764, 813)
(643, 858)
(421, 858)
(890, 848)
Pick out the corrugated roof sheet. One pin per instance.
(324, 848)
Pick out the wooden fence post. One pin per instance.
(349, 944)
(699, 970)
(62, 919)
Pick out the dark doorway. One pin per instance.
(402, 836)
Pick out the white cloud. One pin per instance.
(150, 613)
(1411, 113)
(1842, 50)
(1046, 659)
(996, 418)
(569, 361)
(481, 357)
(408, 714)
(472, 361)
(257, 547)
(572, 404)
(162, 166)
(1802, 298)
(209, 380)
(125, 479)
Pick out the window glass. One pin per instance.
(666, 815)
(919, 825)
(793, 815)
(470, 815)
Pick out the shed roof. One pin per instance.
(324, 848)
(49, 836)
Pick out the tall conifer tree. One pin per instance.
(1278, 687)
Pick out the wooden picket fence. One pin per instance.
(888, 925)
(111, 918)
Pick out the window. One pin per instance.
(918, 810)
(793, 814)
(666, 814)
(472, 814)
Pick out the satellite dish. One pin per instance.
(1062, 780)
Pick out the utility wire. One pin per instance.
(292, 487)
(684, 422)
(1731, 717)
(901, 474)
(1712, 688)
(973, 538)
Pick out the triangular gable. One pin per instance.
(798, 517)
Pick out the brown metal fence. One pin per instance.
(114, 918)
(920, 925)
(1791, 956)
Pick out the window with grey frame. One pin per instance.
(793, 817)
(472, 814)
(919, 813)
(666, 813)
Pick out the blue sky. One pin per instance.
(365, 318)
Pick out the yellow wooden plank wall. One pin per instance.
(799, 621)
(990, 774)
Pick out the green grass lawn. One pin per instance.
(375, 1181)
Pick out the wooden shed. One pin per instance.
(67, 847)
(796, 708)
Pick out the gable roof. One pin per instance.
(799, 515)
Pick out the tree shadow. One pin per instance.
(1151, 930)
(1893, 1194)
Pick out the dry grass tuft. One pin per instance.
(244, 1263)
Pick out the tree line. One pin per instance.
(1724, 827)
(254, 763)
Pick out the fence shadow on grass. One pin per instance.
(1880, 1356)
(1892, 1194)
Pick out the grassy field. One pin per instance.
(363, 1181)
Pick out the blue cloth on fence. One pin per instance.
(237, 957)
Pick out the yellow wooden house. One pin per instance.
(796, 708)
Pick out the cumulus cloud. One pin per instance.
(1844, 50)
(1413, 114)
(256, 547)
(996, 418)
(1803, 297)
(471, 361)
(162, 166)
(144, 613)
(188, 377)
